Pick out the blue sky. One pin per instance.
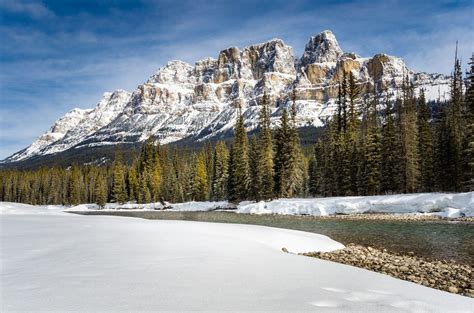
(57, 55)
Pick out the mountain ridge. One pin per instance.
(183, 101)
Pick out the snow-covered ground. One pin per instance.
(185, 206)
(55, 261)
(443, 204)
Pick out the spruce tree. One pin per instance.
(266, 170)
(240, 169)
(255, 184)
(75, 185)
(144, 195)
(200, 178)
(221, 172)
(326, 159)
(282, 155)
(443, 164)
(231, 182)
(409, 132)
(352, 135)
(100, 191)
(455, 126)
(209, 151)
(372, 148)
(313, 175)
(469, 137)
(180, 172)
(132, 183)
(119, 192)
(288, 158)
(425, 145)
(372, 160)
(389, 151)
(154, 174)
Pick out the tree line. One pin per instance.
(376, 143)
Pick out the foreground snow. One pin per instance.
(63, 262)
(443, 204)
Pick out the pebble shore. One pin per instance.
(444, 275)
(397, 217)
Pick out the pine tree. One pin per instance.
(240, 169)
(409, 131)
(425, 145)
(282, 155)
(313, 175)
(469, 137)
(119, 192)
(352, 133)
(373, 160)
(255, 184)
(389, 151)
(209, 151)
(372, 148)
(55, 188)
(180, 172)
(265, 164)
(154, 174)
(449, 134)
(100, 191)
(345, 136)
(132, 183)
(200, 178)
(288, 158)
(74, 185)
(455, 125)
(326, 160)
(231, 182)
(144, 195)
(221, 172)
(338, 142)
(443, 165)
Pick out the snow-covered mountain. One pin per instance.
(200, 101)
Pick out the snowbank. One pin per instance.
(198, 206)
(450, 205)
(116, 206)
(12, 208)
(73, 263)
(444, 204)
(185, 206)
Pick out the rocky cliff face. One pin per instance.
(182, 100)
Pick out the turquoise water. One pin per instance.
(436, 240)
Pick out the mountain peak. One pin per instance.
(197, 102)
(175, 71)
(271, 42)
(321, 48)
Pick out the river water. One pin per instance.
(432, 239)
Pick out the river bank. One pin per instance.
(437, 239)
(444, 275)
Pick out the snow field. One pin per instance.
(63, 262)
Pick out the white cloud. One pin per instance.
(36, 10)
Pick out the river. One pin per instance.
(433, 239)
